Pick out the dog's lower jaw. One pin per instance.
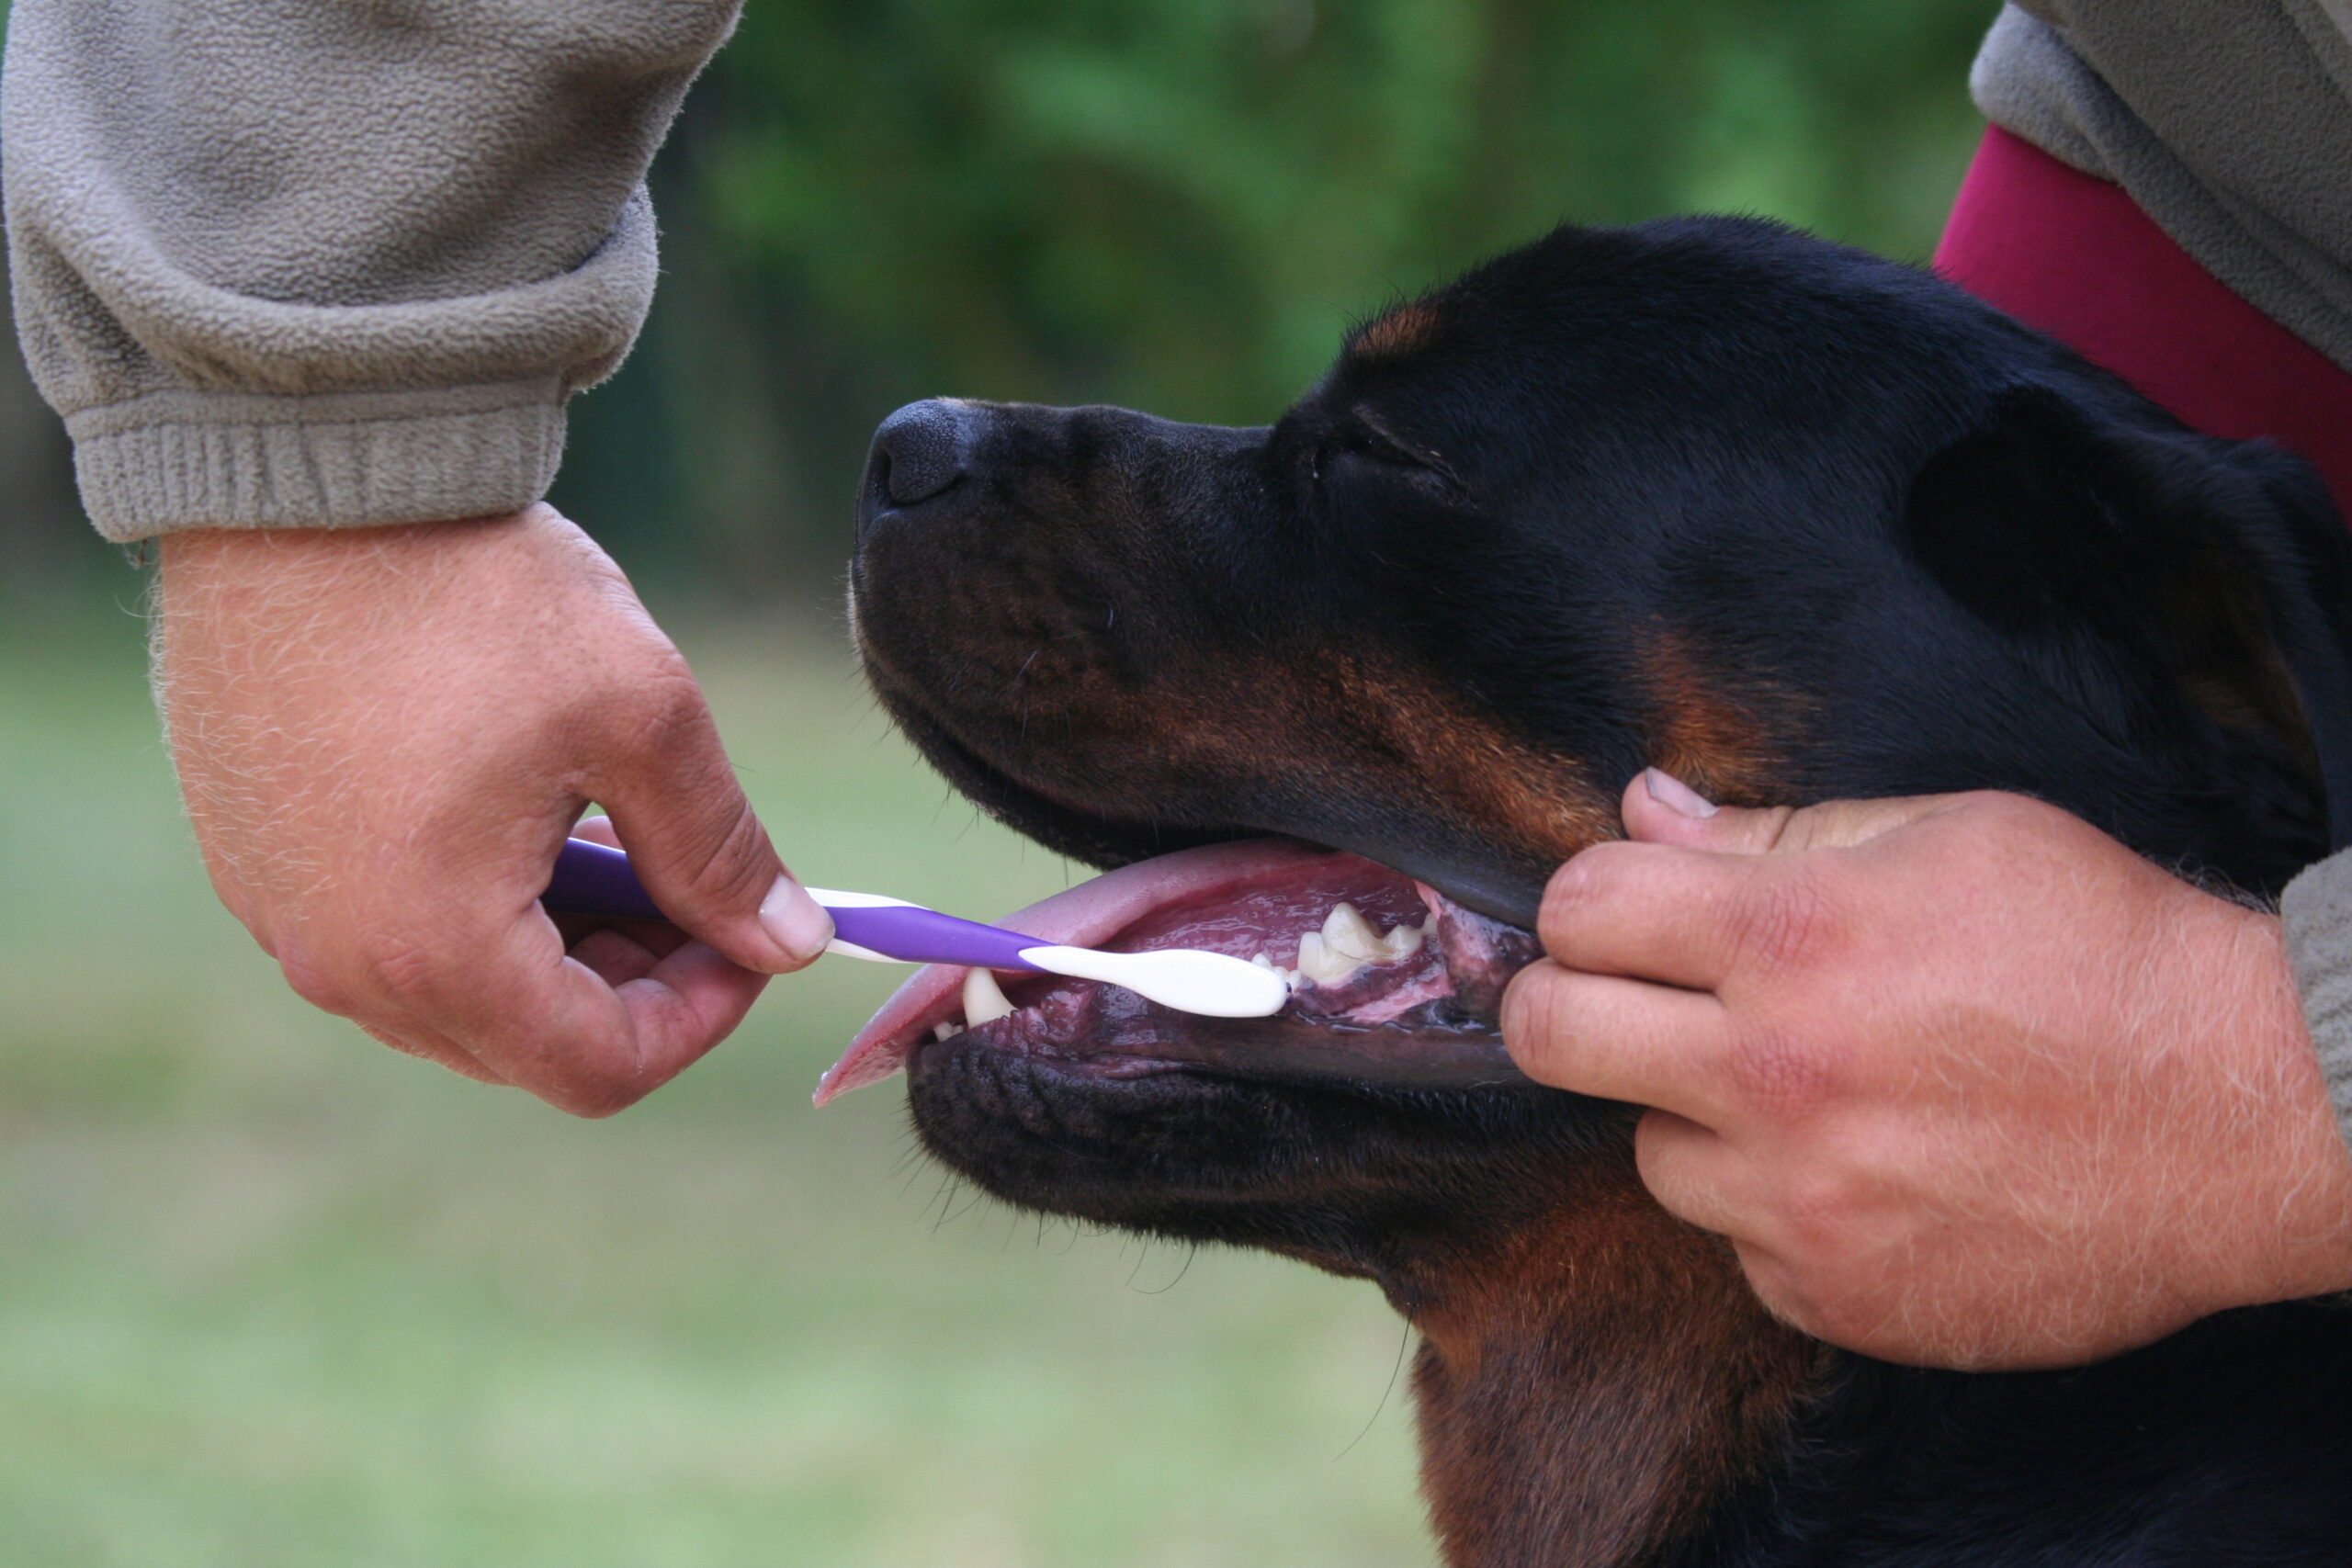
(1589, 1393)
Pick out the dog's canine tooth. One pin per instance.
(984, 999)
(945, 1029)
(1348, 934)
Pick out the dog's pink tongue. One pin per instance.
(1087, 915)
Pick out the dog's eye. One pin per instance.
(1380, 449)
(1394, 455)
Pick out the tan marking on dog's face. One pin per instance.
(1705, 732)
(1331, 723)
(1401, 330)
(1546, 802)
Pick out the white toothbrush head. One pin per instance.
(1209, 984)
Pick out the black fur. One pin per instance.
(1896, 542)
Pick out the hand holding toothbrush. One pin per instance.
(383, 735)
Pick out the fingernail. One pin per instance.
(1676, 795)
(799, 924)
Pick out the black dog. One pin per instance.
(1792, 522)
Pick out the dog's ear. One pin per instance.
(2226, 561)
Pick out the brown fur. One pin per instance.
(1602, 1382)
(1334, 722)
(1399, 332)
(1465, 761)
(1728, 745)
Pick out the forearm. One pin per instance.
(288, 263)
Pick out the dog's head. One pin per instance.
(1788, 520)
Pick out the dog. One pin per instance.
(1791, 521)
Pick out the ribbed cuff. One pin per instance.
(2316, 911)
(173, 461)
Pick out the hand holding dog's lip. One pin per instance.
(1867, 1072)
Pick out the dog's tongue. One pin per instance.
(1087, 915)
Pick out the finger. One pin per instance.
(414, 1040)
(613, 957)
(513, 1001)
(1699, 1177)
(1659, 808)
(696, 844)
(1677, 916)
(659, 936)
(1617, 1039)
(690, 1000)
(614, 1026)
(630, 951)
(597, 829)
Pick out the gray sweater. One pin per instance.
(318, 263)
(2230, 122)
(322, 263)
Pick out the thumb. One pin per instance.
(1661, 809)
(694, 841)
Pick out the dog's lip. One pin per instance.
(1085, 916)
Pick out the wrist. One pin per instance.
(2292, 1209)
(203, 546)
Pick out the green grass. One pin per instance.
(273, 1296)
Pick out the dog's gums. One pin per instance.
(1392, 981)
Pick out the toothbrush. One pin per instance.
(594, 879)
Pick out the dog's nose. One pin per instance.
(919, 450)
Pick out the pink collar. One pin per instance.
(2075, 258)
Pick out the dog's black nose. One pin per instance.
(919, 450)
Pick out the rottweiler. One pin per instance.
(1792, 522)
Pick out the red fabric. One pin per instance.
(2074, 256)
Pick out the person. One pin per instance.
(1964, 1081)
(312, 284)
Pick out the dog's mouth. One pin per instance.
(1392, 982)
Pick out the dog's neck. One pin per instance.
(1589, 1389)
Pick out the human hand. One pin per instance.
(1965, 1082)
(383, 735)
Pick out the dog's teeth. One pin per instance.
(1348, 934)
(1290, 976)
(945, 1029)
(1319, 964)
(1404, 941)
(1347, 942)
(983, 998)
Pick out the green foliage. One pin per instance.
(1180, 204)
(1175, 202)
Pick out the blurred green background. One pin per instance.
(271, 1295)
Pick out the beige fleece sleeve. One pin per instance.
(2230, 122)
(326, 263)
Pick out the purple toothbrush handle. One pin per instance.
(926, 936)
(593, 879)
(590, 879)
